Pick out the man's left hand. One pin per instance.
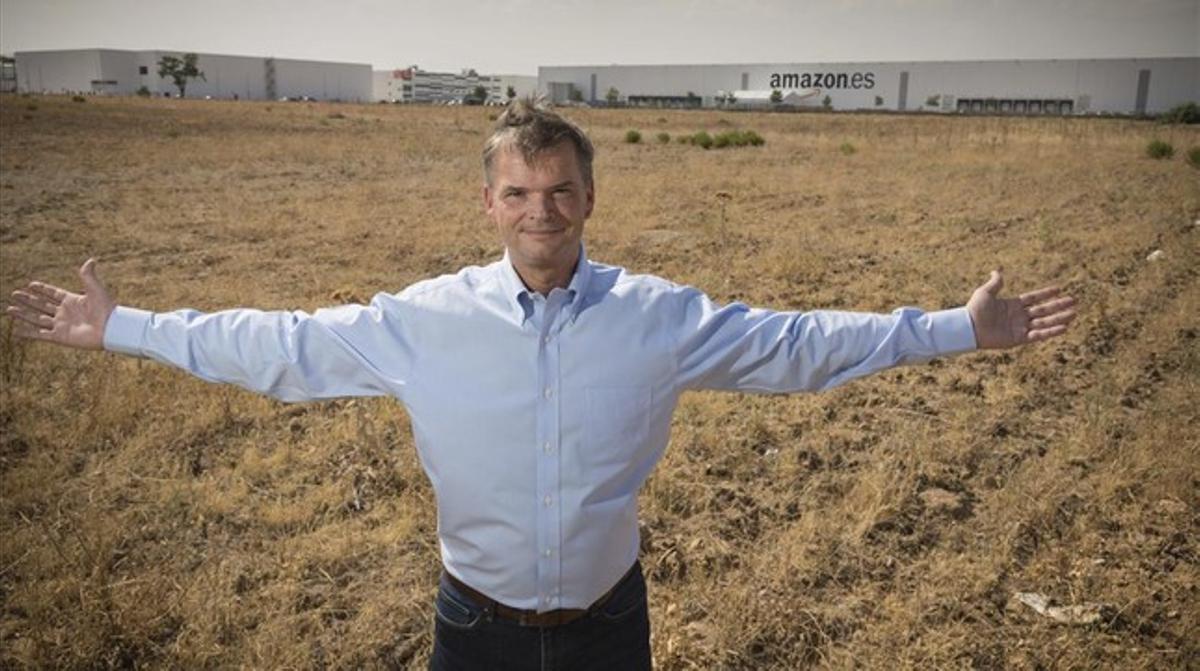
(1001, 323)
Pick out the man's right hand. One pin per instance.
(46, 312)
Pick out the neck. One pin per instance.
(545, 280)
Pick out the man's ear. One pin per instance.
(591, 201)
(487, 199)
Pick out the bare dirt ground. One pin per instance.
(154, 520)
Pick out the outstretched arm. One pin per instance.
(739, 348)
(352, 350)
(46, 312)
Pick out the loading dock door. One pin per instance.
(903, 98)
(1143, 91)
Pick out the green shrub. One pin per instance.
(749, 137)
(1185, 113)
(1157, 149)
(664, 138)
(633, 136)
(32, 107)
(78, 99)
(1193, 157)
(143, 91)
(335, 115)
(847, 148)
(730, 138)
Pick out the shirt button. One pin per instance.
(545, 340)
(547, 552)
(547, 501)
(547, 447)
(547, 599)
(548, 392)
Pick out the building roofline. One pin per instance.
(185, 51)
(876, 62)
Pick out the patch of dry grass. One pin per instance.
(152, 519)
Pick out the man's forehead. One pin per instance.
(512, 162)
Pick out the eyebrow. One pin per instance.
(512, 188)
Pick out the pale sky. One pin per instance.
(516, 36)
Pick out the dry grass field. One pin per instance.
(153, 520)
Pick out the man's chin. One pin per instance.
(545, 237)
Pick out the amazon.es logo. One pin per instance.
(822, 80)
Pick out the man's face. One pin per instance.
(539, 209)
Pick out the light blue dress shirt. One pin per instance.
(537, 418)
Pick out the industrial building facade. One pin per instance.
(1107, 86)
(112, 71)
(414, 85)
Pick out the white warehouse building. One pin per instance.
(112, 71)
(1111, 86)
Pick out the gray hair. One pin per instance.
(531, 127)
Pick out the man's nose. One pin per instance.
(542, 205)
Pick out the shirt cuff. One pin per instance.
(125, 330)
(953, 331)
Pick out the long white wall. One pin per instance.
(349, 82)
(246, 77)
(57, 71)
(1101, 85)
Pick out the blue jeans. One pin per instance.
(614, 636)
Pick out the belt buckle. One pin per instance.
(552, 618)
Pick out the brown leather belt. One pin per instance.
(532, 618)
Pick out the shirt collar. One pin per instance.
(579, 282)
(514, 288)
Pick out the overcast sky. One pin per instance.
(516, 36)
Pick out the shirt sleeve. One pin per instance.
(352, 350)
(747, 349)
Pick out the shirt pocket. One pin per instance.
(617, 424)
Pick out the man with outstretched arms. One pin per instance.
(540, 389)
